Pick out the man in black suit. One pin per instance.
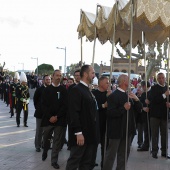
(82, 122)
(38, 111)
(54, 105)
(118, 106)
(158, 113)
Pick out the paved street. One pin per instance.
(17, 150)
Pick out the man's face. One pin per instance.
(161, 79)
(104, 84)
(90, 75)
(57, 77)
(24, 83)
(15, 80)
(47, 80)
(77, 77)
(126, 81)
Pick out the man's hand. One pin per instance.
(80, 140)
(147, 101)
(108, 92)
(53, 119)
(146, 109)
(127, 105)
(167, 93)
(167, 104)
(133, 96)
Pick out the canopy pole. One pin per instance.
(81, 41)
(95, 32)
(167, 97)
(148, 121)
(129, 85)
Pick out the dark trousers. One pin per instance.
(140, 133)
(21, 107)
(80, 157)
(156, 125)
(116, 147)
(146, 131)
(38, 133)
(57, 140)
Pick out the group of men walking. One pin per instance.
(91, 114)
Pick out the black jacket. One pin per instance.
(117, 115)
(37, 102)
(158, 107)
(54, 103)
(82, 114)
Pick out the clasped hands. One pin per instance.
(53, 119)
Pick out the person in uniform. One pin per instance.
(13, 87)
(23, 96)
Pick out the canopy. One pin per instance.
(150, 16)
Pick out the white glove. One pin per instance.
(27, 101)
(24, 100)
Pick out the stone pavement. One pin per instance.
(17, 150)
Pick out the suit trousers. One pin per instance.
(81, 157)
(38, 133)
(57, 140)
(157, 124)
(116, 147)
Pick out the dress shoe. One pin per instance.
(25, 125)
(18, 125)
(142, 149)
(55, 165)
(164, 155)
(44, 156)
(38, 150)
(154, 155)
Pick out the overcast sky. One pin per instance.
(34, 28)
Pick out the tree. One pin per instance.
(45, 69)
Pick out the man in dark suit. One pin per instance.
(38, 111)
(118, 106)
(54, 105)
(82, 122)
(158, 114)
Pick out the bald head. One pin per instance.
(123, 81)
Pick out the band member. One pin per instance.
(13, 100)
(22, 94)
(38, 111)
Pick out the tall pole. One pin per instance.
(37, 66)
(65, 59)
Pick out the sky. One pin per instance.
(34, 28)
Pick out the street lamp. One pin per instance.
(65, 59)
(37, 63)
(22, 66)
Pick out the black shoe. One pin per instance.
(139, 146)
(38, 150)
(18, 125)
(154, 155)
(55, 165)
(26, 125)
(143, 149)
(44, 156)
(164, 155)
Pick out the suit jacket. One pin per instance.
(117, 115)
(82, 114)
(158, 107)
(37, 102)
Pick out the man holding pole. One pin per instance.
(118, 107)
